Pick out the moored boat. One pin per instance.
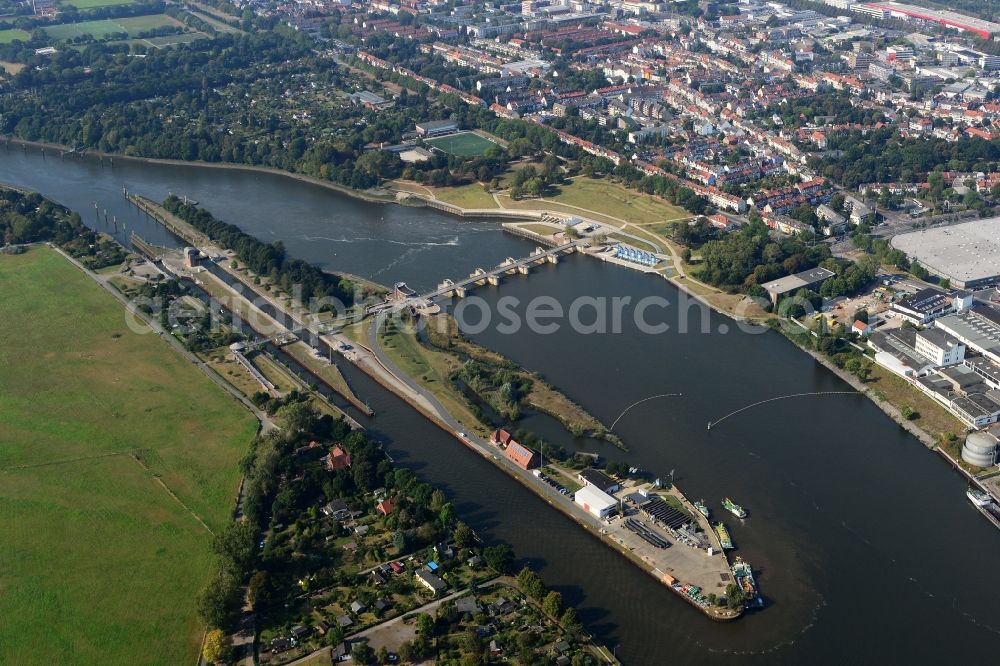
(743, 574)
(703, 508)
(978, 497)
(734, 508)
(724, 538)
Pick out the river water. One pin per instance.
(866, 547)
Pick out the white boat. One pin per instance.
(978, 497)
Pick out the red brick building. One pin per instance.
(521, 456)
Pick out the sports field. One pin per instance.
(8, 36)
(112, 447)
(463, 144)
(91, 4)
(102, 28)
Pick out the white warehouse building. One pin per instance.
(596, 501)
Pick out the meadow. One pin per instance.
(114, 450)
(611, 202)
(102, 28)
(9, 35)
(92, 4)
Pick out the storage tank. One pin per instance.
(980, 449)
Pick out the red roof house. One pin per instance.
(338, 458)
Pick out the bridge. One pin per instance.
(478, 277)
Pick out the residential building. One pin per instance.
(430, 581)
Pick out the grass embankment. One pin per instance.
(432, 369)
(932, 417)
(473, 195)
(604, 201)
(101, 564)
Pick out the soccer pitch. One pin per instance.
(463, 144)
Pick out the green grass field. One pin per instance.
(466, 196)
(616, 200)
(100, 563)
(102, 28)
(611, 203)
(463, 144)
(8, 36)
(91, 4)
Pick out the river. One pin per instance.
(866, 547)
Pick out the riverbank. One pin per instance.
(680, 569)
(369, 196)
(912, 427)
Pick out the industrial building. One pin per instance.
(595, 501)
(944, 17)
(928, 304)
(791, 283)
(598, 479)
(435, 127)
(978, 328)
(968, 254)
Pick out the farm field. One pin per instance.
(8, 36)
(463, 144)
(102, 564)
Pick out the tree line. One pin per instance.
(265, 259)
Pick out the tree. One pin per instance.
(218, 646)
(237, 546)
(464, 536)
(334, 636)
(447, 515)
(362, 653)
(552, 605)
(569, 620)
(530, 583)
(500, 558)
(438, 500)
(735, 596)
(219, 602)
(399, 541)
(259, 590)
(425, 625)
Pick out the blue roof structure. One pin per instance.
(635, 255)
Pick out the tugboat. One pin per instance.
(703, 508)
(734, 508)
(743, 574)
(724, 539)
